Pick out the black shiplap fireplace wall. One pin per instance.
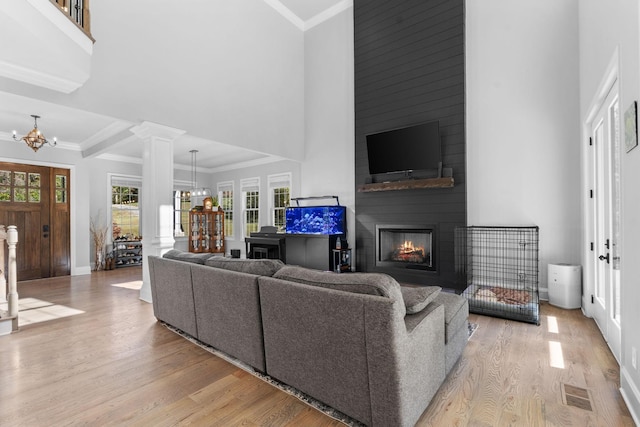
(409, 69)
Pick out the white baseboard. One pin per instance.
(630, 394)
(6, 326)
(543, 293)
(145, 293)
(79, 271)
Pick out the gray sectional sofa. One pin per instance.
(358, 342)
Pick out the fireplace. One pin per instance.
(405, 246)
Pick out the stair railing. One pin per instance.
(78, 12)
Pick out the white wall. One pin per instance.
(523, 140)
(607, 27)
(227, 71)
(328, 166)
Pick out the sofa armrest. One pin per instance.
(172, 293)
(404, 378)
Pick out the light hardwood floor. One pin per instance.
(111, 363)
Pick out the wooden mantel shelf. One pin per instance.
(409, 184)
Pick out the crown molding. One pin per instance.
(40, 78)
(312, 22)
(328, 14)
(247, 164)
(149, 129)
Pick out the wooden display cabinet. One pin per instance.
(206, 231)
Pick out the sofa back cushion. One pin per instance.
(259, 267)
(361, 283)
(186, 256)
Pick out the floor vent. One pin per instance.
(576, 396)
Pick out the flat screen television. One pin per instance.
(316, 220)
(406, 149)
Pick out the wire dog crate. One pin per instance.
(501, 269)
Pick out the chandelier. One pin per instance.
(35, 139)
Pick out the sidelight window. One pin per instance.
(61, 189)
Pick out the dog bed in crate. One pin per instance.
(515, 303)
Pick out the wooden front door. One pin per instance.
(36, 200)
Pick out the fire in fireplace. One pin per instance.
(405, 246)
(407, 252)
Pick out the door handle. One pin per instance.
(602, 257)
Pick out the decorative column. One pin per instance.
(3, 279)
(12, 295)
(156, 197)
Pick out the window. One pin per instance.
(25, 185)
(125, 211)
(250, 205)
(181, 206)
(61, 189)
(225, 200)
(279, 198)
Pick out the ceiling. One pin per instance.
(102, 136)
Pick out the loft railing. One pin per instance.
(78, 12)
(9, 238)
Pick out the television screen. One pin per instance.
(316, 220)
(406, 149)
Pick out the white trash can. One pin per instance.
(565, 285)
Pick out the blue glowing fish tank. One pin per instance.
(316, 220)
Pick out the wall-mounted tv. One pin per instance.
(411, 148)
(316, 220)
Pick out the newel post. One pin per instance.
(12, 295)
(3, 279)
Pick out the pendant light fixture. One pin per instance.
(197, 193)
(35, 139)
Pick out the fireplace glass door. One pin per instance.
(409, 247)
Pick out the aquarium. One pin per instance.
(316, 220)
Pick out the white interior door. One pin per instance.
(605, 133)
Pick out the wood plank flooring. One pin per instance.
(111, 363)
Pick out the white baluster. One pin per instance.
(12, 295)
(3, 279)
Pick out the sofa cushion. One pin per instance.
(416, 299)
(259, 267)
(360, 283)
(187, 256)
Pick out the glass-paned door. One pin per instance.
(607, 219)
